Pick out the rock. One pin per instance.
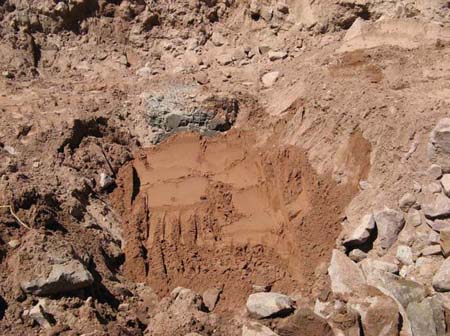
(63, 278)
(282, 7)
(265, 305)
(270, 78)
(144, 72)
(434, 188)
(362, 233)
(379, 313)
(252, 328)
(305, 322)
(14, 243)
(389, 224)
(345, 275)
(403, 290)
(38, 314)
(261, 288)
(414, 217)
(371, 265)
(211, 297)
(438, 224)
(421, 317)
(441, 280)
(225, 59)
(444, 239)
(277, 55)
(439, 145)
(439, 314)
(435, 171)
(407, 201)
(404, 255)
(357, 255)
(431, 250)
(217, 39)
(445, 182)
(106, 181)
(439, 208)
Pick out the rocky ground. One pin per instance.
(222, 167)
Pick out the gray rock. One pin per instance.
(371, 265)
(439, 145)
(407, 201)
(106, 181)
(403, 290)
(389, 224)
(357, 255)
(441, 280)
(345, 275)
(414, 218)
(63, 278)
(252, 328)
(404, 255)
(438, 314)
(265, 305)
(211, 297)
(362, 233)
(277, 55)
(435, 171)
(445, 182)
(439, 208)
(270, 78)
(421, 317)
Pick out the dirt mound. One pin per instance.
(225, 211)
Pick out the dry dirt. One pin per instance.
(217, 181)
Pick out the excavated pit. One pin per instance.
(231, 213)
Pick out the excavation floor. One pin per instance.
(226, 212)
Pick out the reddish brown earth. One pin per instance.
(229, 212)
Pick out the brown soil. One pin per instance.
(223, 211)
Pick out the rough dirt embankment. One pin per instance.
(228, 211)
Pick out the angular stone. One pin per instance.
(270, 78)
(439, 224)
(379, 313)
(14, 243)
(444, 238)
(371, 265)
(438, 314)
(431, 250)
(357, 255)
(62, 278)
(435, 171)
(441, 280)
(439, 145)
(211, 297)
(265, 305)
(38, 314)
(421, 317)
(445, 182)
(253, 328)
(403, 290)
(434, 188)
(439, 208)
(277, 55)
(389, 224)
(345, 275)
(407, 201)
(362, 233)
(305, 322)
(404, 255)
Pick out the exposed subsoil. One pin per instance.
(228, 212)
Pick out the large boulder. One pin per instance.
(421, 316)
(361, 234)
(63, 278)
(439, 145)
(265, 305)
(389, 224)
(345, 275)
